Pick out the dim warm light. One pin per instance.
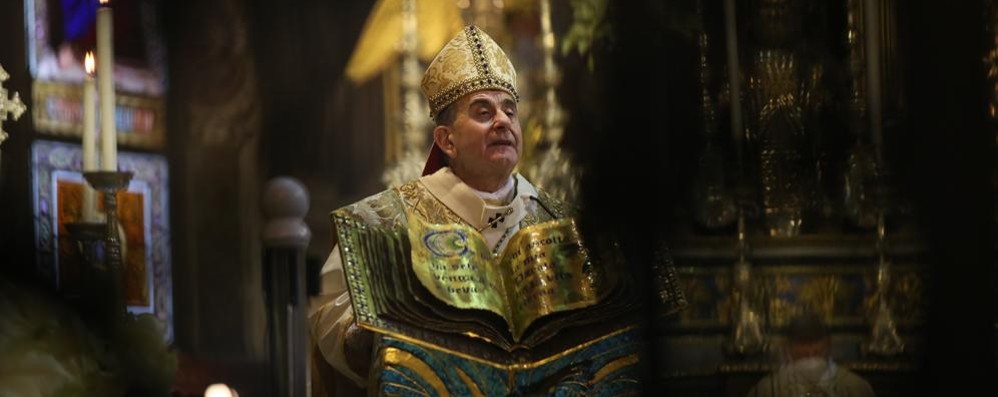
(104, 2)
(220, 390)
(88, 62)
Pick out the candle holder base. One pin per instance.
(108, 180)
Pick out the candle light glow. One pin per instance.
(88, 63)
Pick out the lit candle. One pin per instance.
(105, 83)
(89, 139)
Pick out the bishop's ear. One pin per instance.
(443, 138)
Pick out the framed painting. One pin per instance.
(142, 208)
(60, 32)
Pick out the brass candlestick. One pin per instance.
(884, 338)
(747, 335)
(110, 183)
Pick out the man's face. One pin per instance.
(485, 138)
(800, 350)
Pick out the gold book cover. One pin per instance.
(429, 282)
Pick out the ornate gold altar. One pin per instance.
(794, 209)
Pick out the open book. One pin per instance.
(442, 285)
(544, 269)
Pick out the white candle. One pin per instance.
(89, 139)
(105, 83)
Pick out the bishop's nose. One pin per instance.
(503, 122)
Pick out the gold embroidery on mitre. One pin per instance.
(470, 62)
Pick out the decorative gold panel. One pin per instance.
(842, 293)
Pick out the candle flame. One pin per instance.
(88, 62)
(103, 2)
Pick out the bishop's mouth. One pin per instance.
(501, 142)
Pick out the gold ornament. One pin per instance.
(12, 107)
(470, 62)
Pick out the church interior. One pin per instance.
(836, 158)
